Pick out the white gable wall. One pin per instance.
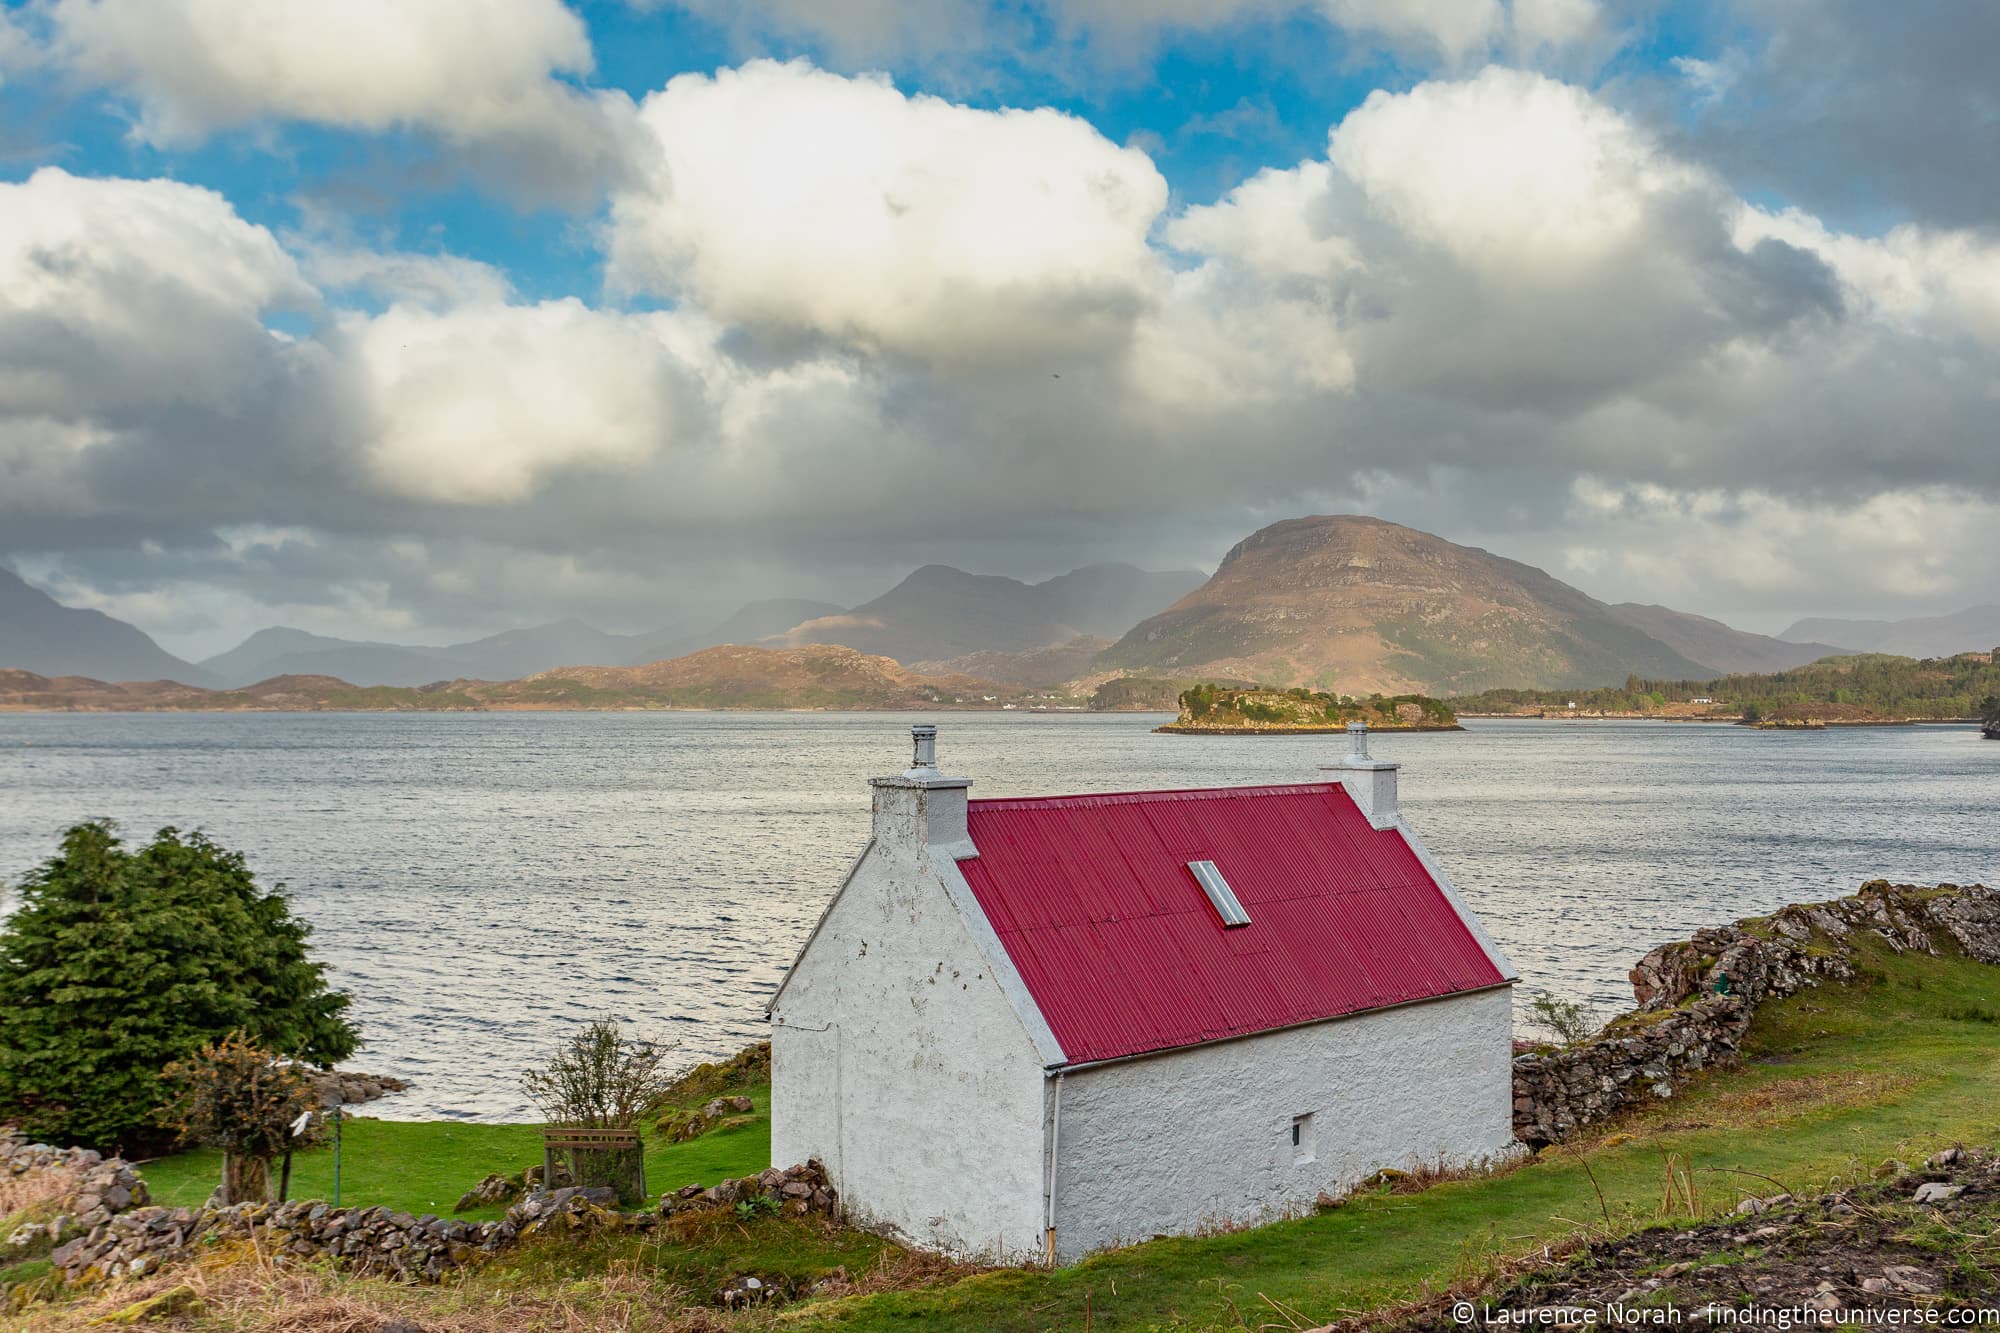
(1189, 1139)
(900, 1062)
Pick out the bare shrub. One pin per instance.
(601, 1079)
(1568, 1021)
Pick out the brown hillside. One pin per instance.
(23, 691)
(1036, 666)
(735, 676)
(1358, 605)
(726, 677)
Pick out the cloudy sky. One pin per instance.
(417, 320)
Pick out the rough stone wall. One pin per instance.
(371, 1240)
(1696, 997)
(101, 1188)
(417, 1249)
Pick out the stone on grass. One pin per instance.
(493, 1189)
(172, 1302)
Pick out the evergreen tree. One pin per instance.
(117, 963)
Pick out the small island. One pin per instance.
(1218, 710)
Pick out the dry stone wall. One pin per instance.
(371, 1240)
(1696, 997)
(110, 1230)
(96, 1188)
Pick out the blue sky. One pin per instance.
(1211, 107)
(416, 322)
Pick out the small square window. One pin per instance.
(1302, 1139)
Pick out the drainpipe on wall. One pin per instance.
(1049, 1190)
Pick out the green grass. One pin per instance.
(701, 1252)
(1834, 1083)
(27, 1270)
(424, 1166)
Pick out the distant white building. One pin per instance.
(1035, 1028)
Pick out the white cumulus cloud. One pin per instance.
(786, 198)
(132, 294)
(476, 404)
(1507, 241)
(1508, 171)
(481, 75)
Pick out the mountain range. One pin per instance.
(819, 677)
(40, 634)
(939, 613)
(936, 613)
(1341, 602)
(505, 656)
(1714, 644)
(1975, 629)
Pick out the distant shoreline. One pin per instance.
(1067, 710)
(1195, 729)
(1733, 720)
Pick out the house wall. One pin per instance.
(899, 1062)
(1172, 1143)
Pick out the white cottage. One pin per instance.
(1034, 1028)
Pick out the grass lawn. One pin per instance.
(1834, 1082)
(424, 1166)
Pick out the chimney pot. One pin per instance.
(923, 745)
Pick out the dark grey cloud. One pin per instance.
(1867, 112)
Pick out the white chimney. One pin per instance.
(1371, 782)
(922, 807)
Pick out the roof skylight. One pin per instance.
(1220, 895)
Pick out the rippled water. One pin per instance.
(481, 882)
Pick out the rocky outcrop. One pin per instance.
(1909, 1248)
(683, 1126)
(492, 1189)
(342, 1087)
(1696, 997)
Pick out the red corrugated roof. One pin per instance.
(1118, 945)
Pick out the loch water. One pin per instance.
(482, 882)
